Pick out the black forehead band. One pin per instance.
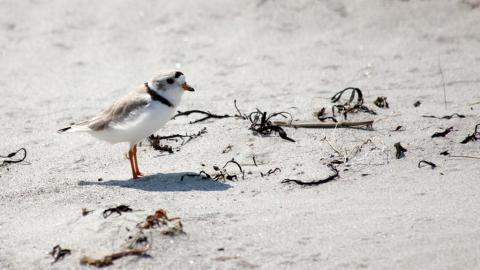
(178, 74)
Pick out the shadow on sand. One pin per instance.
(163, 182)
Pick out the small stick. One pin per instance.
(240, 114)
(475, 103)
(108, 260)
(448, 117)
(368, 124)
(443, 82)
(465, 157)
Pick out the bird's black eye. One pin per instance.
(178, 74)
(170, 80)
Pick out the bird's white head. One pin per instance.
(171, 85)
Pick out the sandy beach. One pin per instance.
(66, 61)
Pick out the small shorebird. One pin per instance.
(139, 114)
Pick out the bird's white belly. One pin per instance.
(140, 125)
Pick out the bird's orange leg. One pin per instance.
(132, 162)
(137, 170)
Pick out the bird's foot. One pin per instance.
(138, 175)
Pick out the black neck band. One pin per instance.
(157, 97)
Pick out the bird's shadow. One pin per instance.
(160, 182)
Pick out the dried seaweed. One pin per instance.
(431, 164)
(381, 102)
(448, 117)
(240, 114)
(345, 110)
(85, 211)
(349, 107)
(316, 182)
(473, 137)
(169, 226)
(155, 140)
(354, 104)
(207, 116)
(220, 174)
(400, 150)
(9, 158)
(355, 92)
(119, 209)
(261, 124)
(270, 172)
(160, 147)
(445, 153)
(443, 133)
(58, 253)
(320, 115)
(108, 260)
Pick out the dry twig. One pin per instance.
(207, 116)
(447, 117)
(108, 260)
(464, 157)
(367, 124)
(443, 82)
(155, 140)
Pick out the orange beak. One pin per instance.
(187, 87)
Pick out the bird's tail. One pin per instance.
(73, 128)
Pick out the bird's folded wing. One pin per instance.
(125, 109)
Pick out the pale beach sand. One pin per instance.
(63, 61)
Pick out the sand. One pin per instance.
(65, 61)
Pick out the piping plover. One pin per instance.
(141, 113)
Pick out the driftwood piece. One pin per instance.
(108, 260)
(367, 124)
